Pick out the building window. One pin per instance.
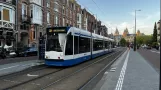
(48, 3)
(0, 12)
(48, 17)
(63, 21)
(8, 43)
(24, 9)
(31, 11)
(6, 14)
(63, 10)
(56, 20)
(77, 17)
(0, 43)
(56, 6)
(24, 26)
(40, 34)
(34, 34)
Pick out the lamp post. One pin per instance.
(135, 32)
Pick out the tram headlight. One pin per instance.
(47, 57)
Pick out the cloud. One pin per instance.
(145, 23)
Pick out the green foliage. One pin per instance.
(139, 40)
(155, 33)
(154, 44)
(146, 39)
(123, 42)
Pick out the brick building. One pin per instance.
(34, 16)
(7, 23)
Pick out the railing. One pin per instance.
(25, 19)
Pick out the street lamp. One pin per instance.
(135, 31)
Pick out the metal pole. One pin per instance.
(135, 33)
(91, 39)
(16, 22)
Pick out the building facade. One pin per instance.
(117, 37)
(7, 23)
(158, 31)
(103, 31)
(32, 18)
(128, 37)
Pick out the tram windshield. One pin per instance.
(54, 43)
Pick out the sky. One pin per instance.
(121, 14)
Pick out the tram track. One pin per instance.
(49, 86)
(16, 83)
(30, 69)
(47, 80)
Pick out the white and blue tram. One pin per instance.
(67, 46)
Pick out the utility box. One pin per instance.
(41, 48)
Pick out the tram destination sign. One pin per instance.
(56, 31)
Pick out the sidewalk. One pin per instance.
(130, 72)
(18, 66)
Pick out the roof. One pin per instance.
(130, 34)
(83, 33)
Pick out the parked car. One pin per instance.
(2, 53)
(12, 53)
(148, 47)
(30, 51)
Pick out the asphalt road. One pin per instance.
(152, 56)
(17, 59)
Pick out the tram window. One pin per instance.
(94, 45)
(76, 43)
(53, 43)
(84, 45)
(97, 45)
(107, 45)
(69, 45)
(87, 44)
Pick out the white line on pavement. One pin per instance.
(122, 74)
(155, 51)
(30, 64)
(9, 67)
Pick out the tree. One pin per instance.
(145, 39)
(155, 33)
(139, 40)
(123, 42)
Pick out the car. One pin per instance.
(12, 53)
(2, 53)
(148, 47)
(30, 51)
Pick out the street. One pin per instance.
(17, 59)
(152, 56)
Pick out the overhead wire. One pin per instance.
(102, 13)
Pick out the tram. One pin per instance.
(67, 46)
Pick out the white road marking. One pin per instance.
(29, 75)
(112, 69)
(106, 73)
(155, 51)
(122, 74)
(35, 84)
(31, 64)
(11, 81)
(9, 67)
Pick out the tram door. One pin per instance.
(41, 48)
